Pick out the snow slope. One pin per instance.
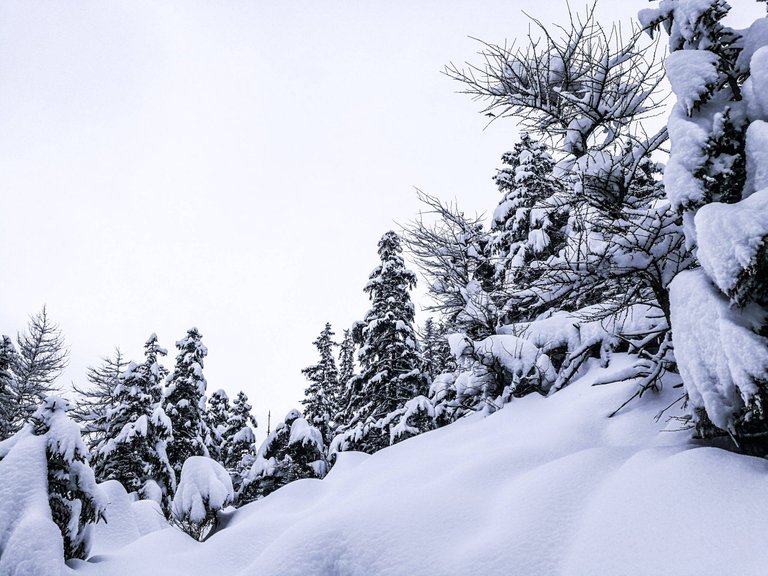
(546, 486)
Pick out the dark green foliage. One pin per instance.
(184, 401)
(321, 397)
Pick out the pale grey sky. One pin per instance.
(231, 166)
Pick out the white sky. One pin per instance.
(231, 166)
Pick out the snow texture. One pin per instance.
(719, 356)
(731, 235)
(544, 486)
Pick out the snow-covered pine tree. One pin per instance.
(94, 401)
(217, 414)
(72, 494)
(292, 451)
(185, 401)
(7, 387)
(347, 366)
(42, 355)
(529, 223)
(238, 451)
(716, 179)
(136, 432)
(321, 397)
(390, 361)
(435, 351)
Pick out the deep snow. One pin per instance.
(544, 486)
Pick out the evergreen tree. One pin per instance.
(292, 451)
(137, 431)
(94, 402)
(185, 401)
(7, 387)
(42, 355)
(321, 397)
(217, 415)
(72, 494)
(238, 452)
(715, 179)
(389, 356)
(435, 351)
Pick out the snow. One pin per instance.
(304, 434)
(719, 356)
(730, 236)
(30, 542)
(204, 485)
(544, 486)
(690, 73)
(757, 156)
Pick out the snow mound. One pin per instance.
(205, 485)
(545, 486)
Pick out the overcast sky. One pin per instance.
(231, 166)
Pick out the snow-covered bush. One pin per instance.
(48, 495)
(205, 488)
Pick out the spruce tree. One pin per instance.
(72, 494)
(292, 451)
(217, 414)
(321, 397)
(238, 452)
(137, 431)
(390, 361)
(185, 401)
(7, 387)
(435, 351)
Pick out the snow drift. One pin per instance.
(544, 486)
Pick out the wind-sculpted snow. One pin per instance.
(545, 486)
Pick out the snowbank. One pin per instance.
(544, 486)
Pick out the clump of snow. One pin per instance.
(719, 355)
(30, 542)
(304, 434)
(204, 489)
(756, 148)
(691, 74)
(731, 236)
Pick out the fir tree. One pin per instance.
(238, 452)
(137, 431)
(185, 401)
(389, 357)
(217, 414)
(72, 494)
(435, 351)
(322, 395)
(7, 387)
(292, 451)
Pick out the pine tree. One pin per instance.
(292, 451)
(529, 223)
(238, 453)
(217, 414)
(42, 355)
(715, 179)
(390, 361)
(185, 401)
(72, 495)
(94, 402)
(137, 431)
(435, 351)
(321, 397)
(7, 387)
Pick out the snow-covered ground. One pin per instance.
(546, 486)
